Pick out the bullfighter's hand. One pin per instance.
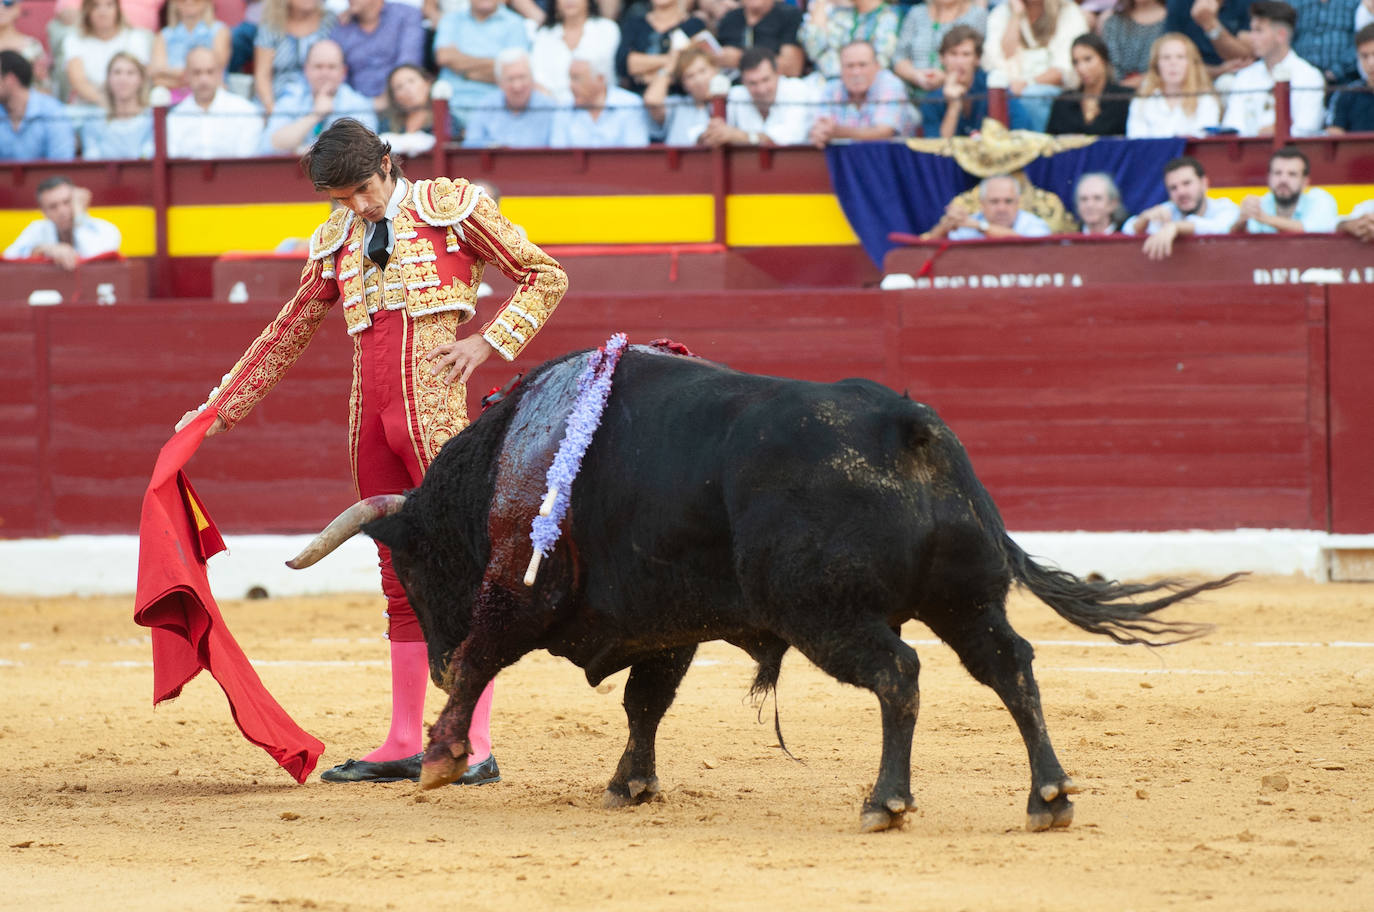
(457, 360)
(216, 427)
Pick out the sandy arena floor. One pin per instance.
(1228, 773)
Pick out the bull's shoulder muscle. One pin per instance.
(330, 236)
(442, 202)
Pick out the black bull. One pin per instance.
(717, 505)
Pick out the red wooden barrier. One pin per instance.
(1124, 410)
(1350, 329)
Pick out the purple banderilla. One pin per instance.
(593, 389)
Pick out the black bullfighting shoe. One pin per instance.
(483, 773)
(374, 771)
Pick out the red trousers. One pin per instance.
(386, 460)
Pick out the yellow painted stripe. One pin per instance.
(785, 220)
(752, 220)
(212, 230)
(689, 218)
(1348, 196)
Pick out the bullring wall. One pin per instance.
(1127, 408)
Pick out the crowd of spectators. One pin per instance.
(265, 77)
(790, 71)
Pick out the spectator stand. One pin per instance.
(772, 208)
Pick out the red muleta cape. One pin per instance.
(175, 538)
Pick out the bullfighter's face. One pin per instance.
(368, 200)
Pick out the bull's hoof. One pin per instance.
(440, 768)
(1049, 805)
(890, 815)
(625, 794)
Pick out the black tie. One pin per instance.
(376, 248)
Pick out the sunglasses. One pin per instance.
(8, 3)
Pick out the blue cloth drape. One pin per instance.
(884, 187)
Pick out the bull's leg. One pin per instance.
(649, 692)
(870, 655)
(997, 656)
(490, 646)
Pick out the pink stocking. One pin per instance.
(409, 681)
(479, 732)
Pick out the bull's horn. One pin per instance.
(345, 526)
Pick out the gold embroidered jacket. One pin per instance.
(445, 233)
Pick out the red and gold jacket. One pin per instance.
(446, 232)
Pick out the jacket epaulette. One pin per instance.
(443, 202)
(330, 236)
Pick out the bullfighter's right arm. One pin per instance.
(279, 345)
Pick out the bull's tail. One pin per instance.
(1112, 608)
(769, 656)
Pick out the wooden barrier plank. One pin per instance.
(1351, 406)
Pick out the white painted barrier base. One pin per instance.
(108, 564)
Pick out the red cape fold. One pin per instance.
(175, 538)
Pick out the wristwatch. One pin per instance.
(1214, 32)
(753, 139)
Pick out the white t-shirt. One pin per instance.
(95, 54)
(550, 55)
(789, 117)
(90, 236)
(1250, 104)
(1155, 118)
(231, 128)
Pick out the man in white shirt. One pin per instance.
(767, 109)
(1001, 215)
(211, 122)
(1189, 210)
(602, 115)
(65, 234)
(1250, 105)
(1291, 205)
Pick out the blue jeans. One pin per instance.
(1031, 109)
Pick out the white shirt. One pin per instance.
(685, 120)
(1029, 62)
(1250, 104)
(550, 55)
(231, 128)
(1217, 218)
(789, 117)
(95, 54)
(1155, 118)
(1027, 224)
(1365, 208)
(90, 236)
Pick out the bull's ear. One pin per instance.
(394, 531)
